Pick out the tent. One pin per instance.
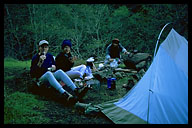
(161, 96)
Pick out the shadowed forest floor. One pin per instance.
(23, 107)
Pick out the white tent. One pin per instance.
(161, 96)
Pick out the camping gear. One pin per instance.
(101, 66)
(88, 73)
(89, 109)
(82, 105)
(90, 62)
(111, 84)
(93, 82)
(161, 96)
(114, 63)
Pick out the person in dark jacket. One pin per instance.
(65, 61)
(113, 51)
(44, 70)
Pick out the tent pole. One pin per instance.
(150, 91)
(159, 38)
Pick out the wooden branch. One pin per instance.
(125, 70)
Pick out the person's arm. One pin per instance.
(70, 60)
(108, 53)
(35, 70)
(123, 49)
(59, 62)
(62, 62)
(53, 66)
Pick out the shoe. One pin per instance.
(67, 95)
(71, 100)
(80, 92)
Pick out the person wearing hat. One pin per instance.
(44, 70)
(113, 51)
(65, 61)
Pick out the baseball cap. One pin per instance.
(43, 42)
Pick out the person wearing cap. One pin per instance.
(44, 70)
(65, 61)
(113, 51)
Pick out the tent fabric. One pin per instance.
(112, 112)
(161, 96)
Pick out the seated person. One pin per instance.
(113, 52)
(90, 67)
(43, 69)
(65, 61)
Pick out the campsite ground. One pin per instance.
(23, 107)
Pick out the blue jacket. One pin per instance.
(37, 72)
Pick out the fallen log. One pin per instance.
(125, 70)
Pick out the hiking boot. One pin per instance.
(80, 92)
(67, 96)
(71, 100)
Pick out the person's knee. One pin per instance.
(48, 74)
(79, 74)
(60, 71)
(83, 66)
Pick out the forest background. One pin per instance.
(90, 27)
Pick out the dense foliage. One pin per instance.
(90, 26)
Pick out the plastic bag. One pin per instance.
(114, 64)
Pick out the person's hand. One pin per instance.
(41, 60)
(42, 57)
(94, 68)
(127, 53)
(72, 59)
(53, 67)
(111, 60)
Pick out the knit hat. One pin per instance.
(66, 43)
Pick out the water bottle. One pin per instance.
(113, 83)
(109, 83)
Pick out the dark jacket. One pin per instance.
(114, 52)
(62, 62)
(37, 72)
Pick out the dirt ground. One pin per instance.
(59, 112)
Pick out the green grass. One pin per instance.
(22, 108)
(12, 63)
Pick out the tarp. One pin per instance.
(161, 96)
